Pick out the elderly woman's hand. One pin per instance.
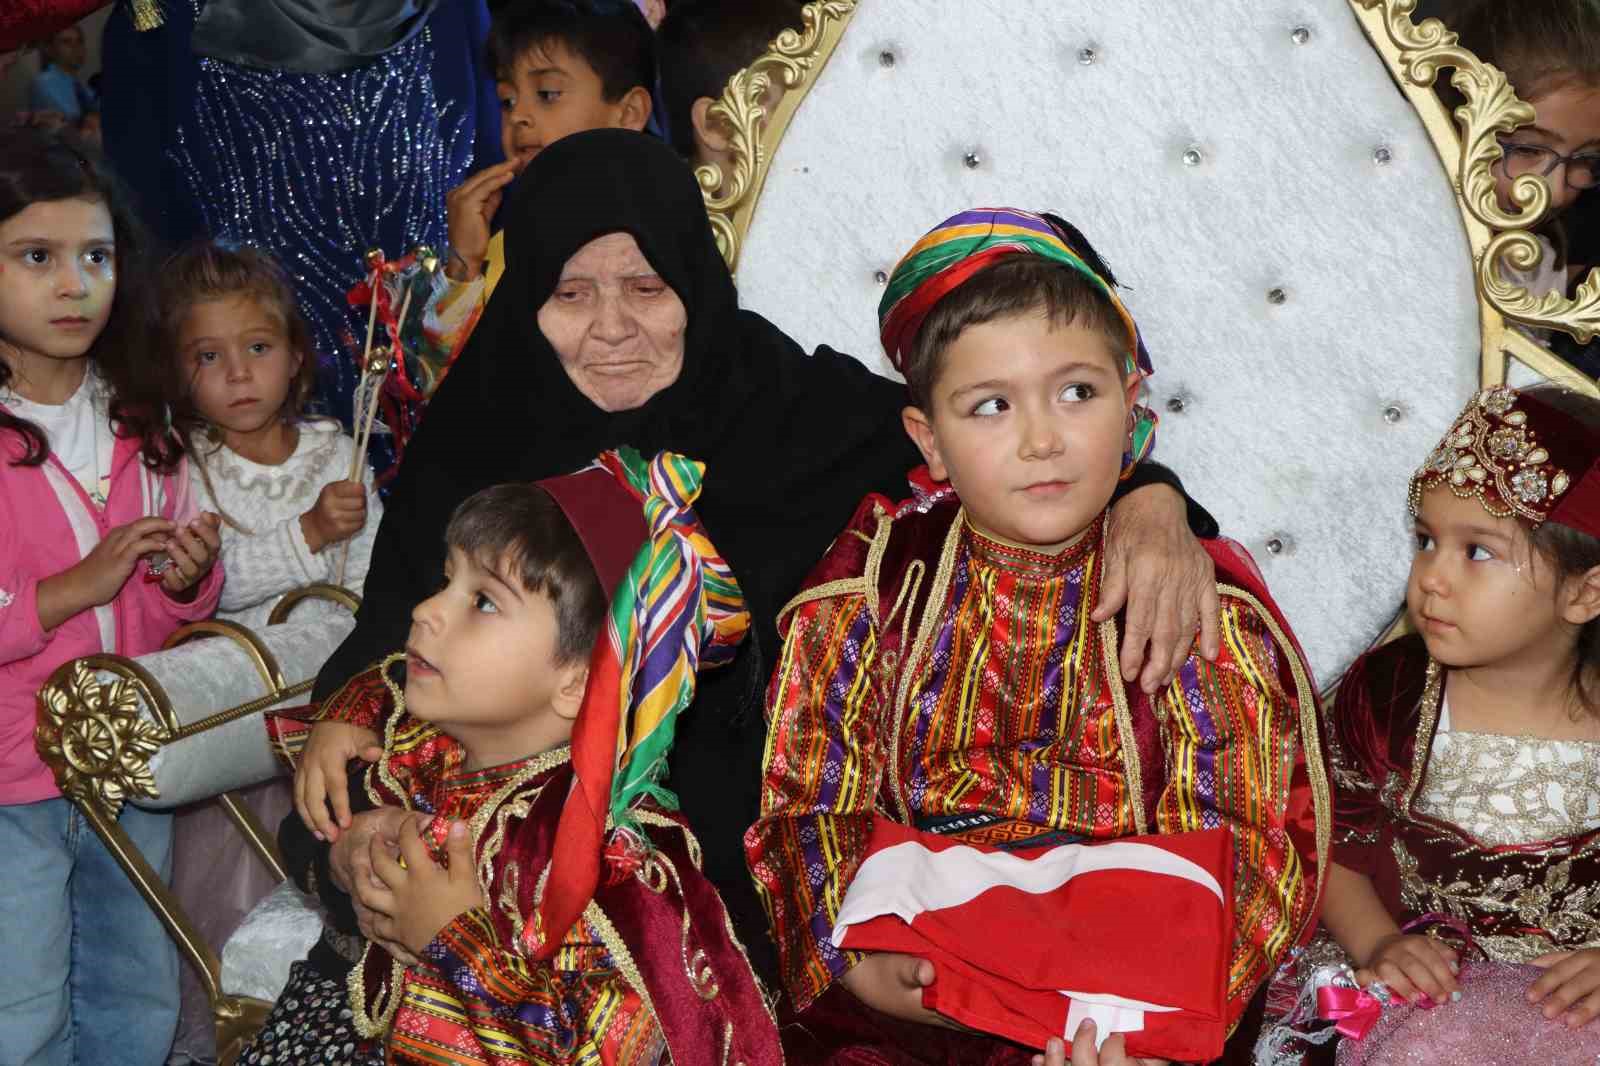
(1157, 567)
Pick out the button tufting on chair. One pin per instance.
(1177, 404)
(887, 58)
(1300, 35)
(1394, 413)
(1192, 156)
(881, 277)
(1277, 296)
(972, 160)
(1382, 155)
(1279, 544)
(1087, 56)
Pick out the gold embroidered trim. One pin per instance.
(1310, 734)
(375, 1025)
(1427, 725)
(693, 846)
(845, 586)
(901, 707)
(1124, 716)
(621, 957)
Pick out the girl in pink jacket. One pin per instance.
(101, 550)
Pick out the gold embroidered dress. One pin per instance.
(1514, 853)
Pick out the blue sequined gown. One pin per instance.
(316, 168)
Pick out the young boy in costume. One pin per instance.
(560, 67)
(533, 899)
(942, 684)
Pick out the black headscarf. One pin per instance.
(791, 444)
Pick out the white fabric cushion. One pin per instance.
(277, 933)
(1301, 420)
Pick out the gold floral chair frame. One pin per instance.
(99, 746)
(1467, 143)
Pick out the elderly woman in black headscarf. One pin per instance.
(617, 322)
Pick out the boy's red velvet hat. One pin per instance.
(607, 516)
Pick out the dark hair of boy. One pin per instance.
(206, 270)
(1015, 285)
(1542, 45)
(611, 36)
(518, 530)
(703, 43)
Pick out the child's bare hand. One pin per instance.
(892, 983)
(1413, 966)
(1570, 985)
(107, 567)
(193, 550)
(419, 897)
(340, 512)
(321, 785)
(470, 208)
(350, 864)
(1112, 1053)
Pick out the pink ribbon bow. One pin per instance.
(1353, 1011)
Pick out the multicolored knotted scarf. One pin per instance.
(679, 608)
(962, 245)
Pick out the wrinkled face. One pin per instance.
(550, 93)
(1566, 122)
(615, 324)
(58, 276)
(239, 362)
(481, 658)
(1029, 422)
(1478, 593)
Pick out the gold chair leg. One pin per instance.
(237, 1018)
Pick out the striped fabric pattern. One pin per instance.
(1010, 722)
(679, 608)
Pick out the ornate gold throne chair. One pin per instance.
(1309, 236)
(182, 726)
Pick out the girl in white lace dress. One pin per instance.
(239, 368)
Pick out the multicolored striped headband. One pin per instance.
(962, 245)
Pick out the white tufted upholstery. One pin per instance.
(1213, 152)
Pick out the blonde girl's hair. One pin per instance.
(211, 270)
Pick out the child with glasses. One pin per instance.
(1550, 49)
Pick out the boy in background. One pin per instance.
(702, 44)
(560, 67)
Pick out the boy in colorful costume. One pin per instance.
(941, 673)
(551, 908)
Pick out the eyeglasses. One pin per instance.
(1583, 169)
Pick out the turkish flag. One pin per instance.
(1134, 933)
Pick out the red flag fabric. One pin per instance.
(1134, 933)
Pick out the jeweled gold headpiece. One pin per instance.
(1519, 457)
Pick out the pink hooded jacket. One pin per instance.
(48, 524)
